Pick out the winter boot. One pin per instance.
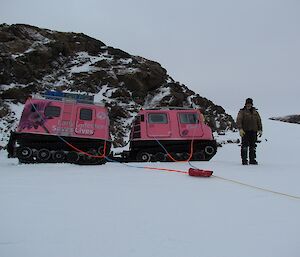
(252, 155)
(253, 162)
(244, 155)
(245, 162)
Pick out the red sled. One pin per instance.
(200, 173)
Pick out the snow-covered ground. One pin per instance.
(116, 211)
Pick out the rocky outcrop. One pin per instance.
(33, 60)
(290, 118)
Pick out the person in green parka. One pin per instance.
(250, 126)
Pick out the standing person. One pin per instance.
(250, 126)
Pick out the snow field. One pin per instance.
(115, 210)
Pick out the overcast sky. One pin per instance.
(225, 50)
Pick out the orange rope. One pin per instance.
(88, 154)
(190, 157)
(191, 152)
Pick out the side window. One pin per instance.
(52, 111)
(86, 114)
(188, 118)
(159, 118)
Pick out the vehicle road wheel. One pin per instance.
(143, 157)
(43, 155)
(185, 156)
(90, 159)
(199, 156)
(209, 150)
(72, 157)
(58, 156)
(160, 157)
(24, 153)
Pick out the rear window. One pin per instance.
(160, 118)
(188, 118)
(86, 114)
(52, 111)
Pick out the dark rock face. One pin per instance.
(290, 118)
(33, 60)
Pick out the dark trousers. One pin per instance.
(249, 141)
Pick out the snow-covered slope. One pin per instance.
(115, 210)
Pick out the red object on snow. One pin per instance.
(200, 173)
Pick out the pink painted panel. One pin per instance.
(180, 125)
(158, 125)
(44, 116)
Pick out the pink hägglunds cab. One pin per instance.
(160, 134)
(61, 127)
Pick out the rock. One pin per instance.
(33, 60)
(289, 118)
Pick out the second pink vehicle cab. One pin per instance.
(177, 131)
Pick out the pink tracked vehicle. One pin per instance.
(171, 134)
(61, 127)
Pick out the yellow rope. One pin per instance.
(259, 188)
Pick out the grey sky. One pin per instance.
(224, 50)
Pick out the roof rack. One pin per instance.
(68, 97)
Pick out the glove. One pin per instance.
(259, 133)
(242, 132)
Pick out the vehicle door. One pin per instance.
(189, 124)
(158, 125)
(85, 121)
